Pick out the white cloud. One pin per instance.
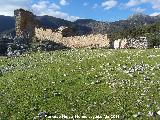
(95, 6)
(7, 7)
(109, 4)
(155, 3)
(85, 4)
(49, 8)
(132, 3)
(42, 5)
(155, 14)
(63, 2)
(138, 10)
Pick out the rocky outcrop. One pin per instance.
(25, 24)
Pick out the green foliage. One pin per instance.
(150, 31)
(154, 39)
(80, 82)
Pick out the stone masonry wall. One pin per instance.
(91, 41)
(25, 23)
(140, 43)
(26, 29)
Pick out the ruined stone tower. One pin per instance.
(25, 24)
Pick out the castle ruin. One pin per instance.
(89, 41)
(26, 28)
(25, 24)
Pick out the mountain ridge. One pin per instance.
(84, 26)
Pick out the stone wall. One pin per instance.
(117, 44)
(140, 43)
(91, 41)
(25, 23)
(120, 44)
(26, 29)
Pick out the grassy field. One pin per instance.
(122, 84)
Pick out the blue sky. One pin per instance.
(103, 10)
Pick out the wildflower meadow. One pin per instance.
(83, 83)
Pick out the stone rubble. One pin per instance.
(140, 43)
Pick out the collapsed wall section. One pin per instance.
(137, 43)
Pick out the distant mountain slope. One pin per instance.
(85, 26)
(135, 20)
(95, 26)
(52, 22)
(6, 23)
